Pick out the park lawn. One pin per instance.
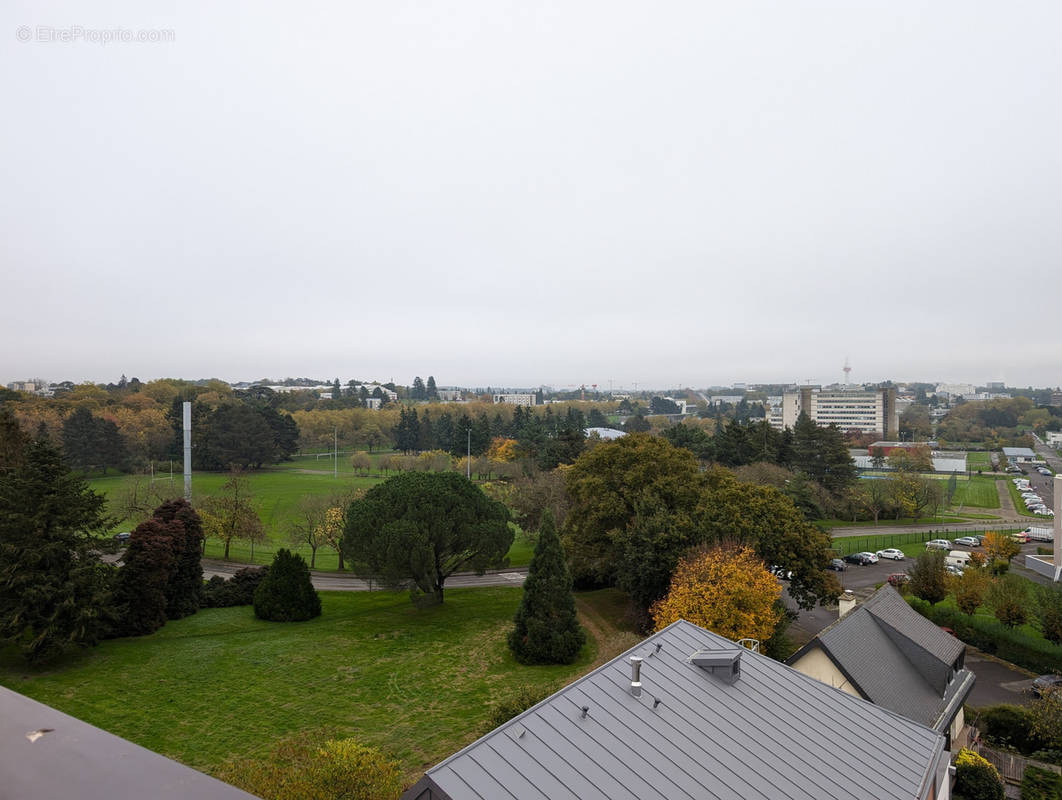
(889, 523)
(979, 461)
(277, 492)
(978, 492)
(223, 685)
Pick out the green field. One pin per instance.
(979, 461)
(979, 492)
(222, 685)
(276, 493)
(911, 543)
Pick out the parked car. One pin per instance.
(938, 544)
(837, 564)
(957, 558)
(1043, 471)
(893, 553)
(898, 579)
(122, 537)
(952, 569)
(872, 558)
(858, 558)
(781, 572)
(1020, 536)
(1046, 683)
(968, 541)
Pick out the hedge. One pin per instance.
(1040, 784)
(991, 636)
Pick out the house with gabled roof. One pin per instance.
(886, 652)
(689, 714)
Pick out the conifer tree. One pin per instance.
(286, 593)
(184, 592)
(546, 630)
(140, 591)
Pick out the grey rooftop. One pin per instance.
(772, 733)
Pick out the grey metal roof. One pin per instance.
(75, 759)
(774, 733)
(897, 659)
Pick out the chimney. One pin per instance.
(723, 664)
(846, 604)
(636, 676)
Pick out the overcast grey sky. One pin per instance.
(517, 193)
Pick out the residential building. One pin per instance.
(47, 753)
(1053, 439)
(956, 389)
(689, 714)
(450, 395)
(863, 410)
(515, 399)
(1056, 398)
(886, 652)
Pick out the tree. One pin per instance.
(1049, 606)
(54, 590)
(309, 525)
(419, 391)
(231, 515)
(1046, 718)
(286, 593)
(969, 589)
(663, 405)
(423, 527)
(636, 424)
(184, 591)
(13, 441)
(432, 391)
(546, 629)
(928, 577)
(239, 437)
(725, 589)
(149, 563)
(609, 484)
(1009, 597)
(1000, 546)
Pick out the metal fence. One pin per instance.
(843, 545)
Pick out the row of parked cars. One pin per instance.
(1032, 500)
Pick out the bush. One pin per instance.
(286, 593)
(514, 705)
(339, 769)
(1008, 726)
(975, 778)
(1040, 784)
(991, 636)
(236, 591)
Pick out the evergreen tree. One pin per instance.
(337, 391)
(184, 591)
(426, 435)
(444, 433)
(79, 439)
(433, 392)
(547, 631)
(143, 581)
(419, 391)
(286, 594)
(54, 591)
(13, 442)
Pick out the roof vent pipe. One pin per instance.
(636, 676)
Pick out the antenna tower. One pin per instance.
(847, 369)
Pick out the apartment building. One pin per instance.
(864, 410)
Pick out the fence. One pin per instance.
(843, 545)
(1011, 766)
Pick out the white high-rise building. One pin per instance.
(864, 410)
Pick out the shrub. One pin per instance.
(513, 705)
(296, 769)
(1009, 598)
(1040, 784)
(1008, 726)
(1049, 602)
(236, 591)
(141, 587)
(286, 593)
(975, 778)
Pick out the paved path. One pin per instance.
(345, 582)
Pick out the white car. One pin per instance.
(938, 544)
(871, 557)
(893, 553)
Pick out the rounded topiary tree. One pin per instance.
(547, 631)
(285, 593)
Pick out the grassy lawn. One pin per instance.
(979, 492)
(277, 492)
(979, 461)
(892, 523)
(222, 685)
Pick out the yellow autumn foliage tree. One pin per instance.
(725, 589)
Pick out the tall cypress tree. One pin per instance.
(546, 630)
(184, 592)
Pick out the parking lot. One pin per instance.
(1041, 484)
